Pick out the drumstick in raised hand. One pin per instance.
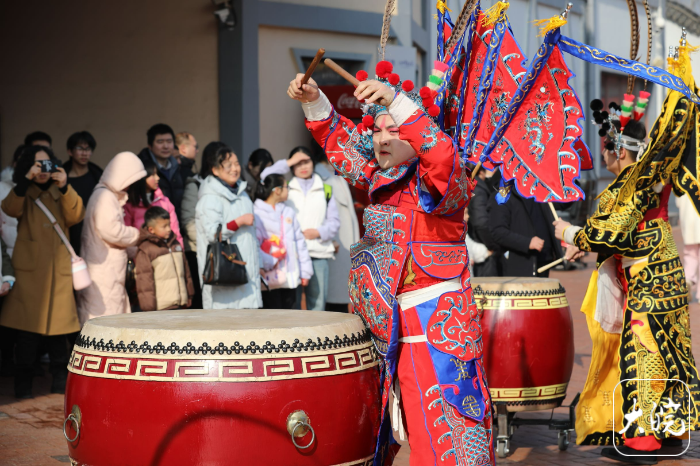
(344, 74)
(312, 66)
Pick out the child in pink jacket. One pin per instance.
(145, 193)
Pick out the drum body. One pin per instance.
(528, 340)
(223, 387)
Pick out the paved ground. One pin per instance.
(30, 430)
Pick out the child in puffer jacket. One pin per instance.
(163, 279)
(280, 236)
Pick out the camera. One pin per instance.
(47, 166)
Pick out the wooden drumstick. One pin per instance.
(550, 265)
(312, 66)
(558, 261)
(344, 74)
(476, 170)
(554, 212)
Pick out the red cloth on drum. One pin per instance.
(435, 428)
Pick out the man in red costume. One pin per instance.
(410, 280)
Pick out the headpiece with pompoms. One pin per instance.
(624, 114)
(370, 112)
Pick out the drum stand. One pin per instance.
(510, 422)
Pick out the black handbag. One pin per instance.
(223, 265)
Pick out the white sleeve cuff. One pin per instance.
(570, 234)
(401, 109)
(8, 278)
(317, 110)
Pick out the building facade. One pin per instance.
(116, 68)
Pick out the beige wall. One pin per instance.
(112, 68)
(281, 119)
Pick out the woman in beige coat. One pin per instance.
(105, 239)
(41, 302)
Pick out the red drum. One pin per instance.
(528, 340)
(222, 387)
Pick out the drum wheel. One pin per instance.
(502, 447)
(563, 440)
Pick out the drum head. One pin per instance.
(247, 331)
(516, 286)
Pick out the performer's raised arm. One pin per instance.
(335, 133)
(400, 131)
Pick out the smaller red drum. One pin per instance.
(221, 387)
(528, 340)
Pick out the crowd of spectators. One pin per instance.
(142, 227)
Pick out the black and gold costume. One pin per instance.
(630, 228)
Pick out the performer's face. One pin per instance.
(612, 163)
(389, 149)
(229, 171)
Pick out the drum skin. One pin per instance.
(528, 340)
(213, 409)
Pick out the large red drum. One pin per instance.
(528, 340)
(223, 387)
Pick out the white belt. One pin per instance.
(414, 298)
(414, 339)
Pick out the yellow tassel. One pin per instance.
(494, 14)
(548, 25)
(442, 6)
(682, 67)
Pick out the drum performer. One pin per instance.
(636, 305)
(410, 279)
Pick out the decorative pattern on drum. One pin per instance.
(534, 315)
(236, 369)
(221, 348)
(444, 261)
(454, 342)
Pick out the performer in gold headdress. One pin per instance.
(642, 387)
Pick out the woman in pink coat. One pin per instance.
(106, 237)
(145, 193)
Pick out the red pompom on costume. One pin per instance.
(384, 68)
(361, 75)
(433, 110)
(407, 86)
(425, 92)
(394, 79)
(368, 121)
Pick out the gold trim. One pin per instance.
(220, 370)
(528, 393)
(499, 302)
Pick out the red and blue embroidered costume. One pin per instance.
(410, 284)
